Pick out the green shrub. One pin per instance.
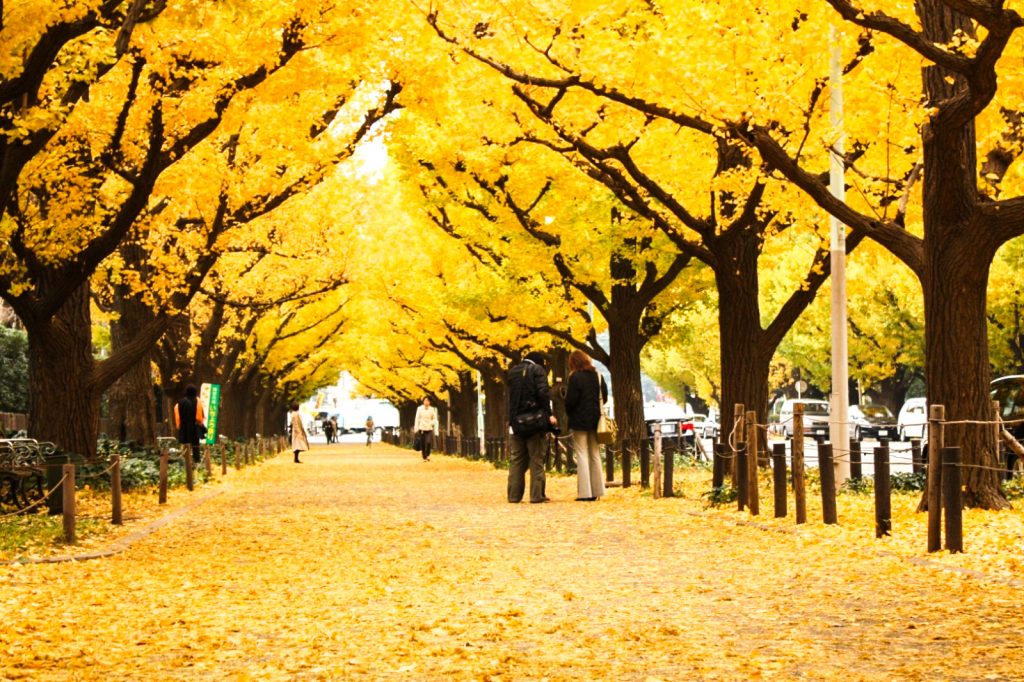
(1014, 488)
(907, 482)
(723, 494)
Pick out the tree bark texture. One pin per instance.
(958, 249)
(63, 401)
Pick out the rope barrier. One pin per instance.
(35, 504)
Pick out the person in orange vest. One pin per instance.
(190, 421)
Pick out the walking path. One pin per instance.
(368, 564)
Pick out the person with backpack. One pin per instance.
(530, 418)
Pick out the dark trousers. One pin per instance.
(527, 453)
(426, 442)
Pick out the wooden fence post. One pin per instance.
(645, 461)
(115, 491)
(799, 481)
(668, 469)
(207, 461)
(936, 417)
(753, 459)
(883, 493)
(917, 462)
(164, 455)
(741, 479)
(779, 478)
(828, 483)
(856, 473)
(953, 502)
(656, 464)
(223, 460)
(68, 499)
(627, 462)
(718, 464)
(737, 439)
(190, 480)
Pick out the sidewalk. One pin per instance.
(369, 564)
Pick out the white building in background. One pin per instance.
(351, 412)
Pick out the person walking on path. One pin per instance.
(369, 431)
(300, 441)
(190, 421)
(329, 431)
(425, 426)
(584, 396)
(530, 417)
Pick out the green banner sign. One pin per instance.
(210, 395)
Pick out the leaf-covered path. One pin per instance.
(372, 565)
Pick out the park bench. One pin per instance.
(23, 471)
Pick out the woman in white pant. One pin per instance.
(584, 395)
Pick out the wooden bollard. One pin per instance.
(115, 491)
(739, 433)
(916, 460)
(828, 483)
(656, 489)
(668, 469)
(164, 455)
(645, 463)
(856, 472)
(68, 499)
(951, 498)
(799, 480)
(936, 417)
(718, 465)
(779, 478)
(753, 458)
(190, 473)
(223, 460)
(741, 480)
(627, 463)
(883, 492)
(207, 461)
(239, 447)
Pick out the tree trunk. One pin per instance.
(958, 249)
(133, 405)
(625, 344)
(63, 403)
(462, 402)
(495, 401)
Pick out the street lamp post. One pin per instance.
(839, 431)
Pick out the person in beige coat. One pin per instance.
(300, 441)
(425, 426)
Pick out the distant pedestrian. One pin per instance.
(369, 431)
(190, 421)
(426, 427)
(530, 417)
(329, 431)
(300, 441)
(584, 395)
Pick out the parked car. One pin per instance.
(872, 421)
(816, 414)
(913, 419)
(706, 425)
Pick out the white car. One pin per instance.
(913, 419)
(816, 414)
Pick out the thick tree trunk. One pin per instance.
(958, 251)
(495, 402)
(745, 355)
(133, 405)
(462, 402)
(63, 402)
(625, 344)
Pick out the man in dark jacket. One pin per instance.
(529, 415)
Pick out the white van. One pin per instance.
(816, 414)
(913, 419)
